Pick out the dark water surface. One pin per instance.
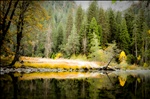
(76, 85)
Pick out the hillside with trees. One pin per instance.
(48, 28)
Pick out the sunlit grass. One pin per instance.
(79, 57)
(52, 65)
(17, 64)
(38, 62)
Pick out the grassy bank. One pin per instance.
(38, 62)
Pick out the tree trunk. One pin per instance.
(5, 26)
(48, 42)
(20, 25)
(19, 37)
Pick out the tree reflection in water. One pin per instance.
(106, 85)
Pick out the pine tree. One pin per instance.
(118, 27)
(59, 37)
(69, 25)
(93, 28)
(79, 18)
(103, 21)
(134, 38)
(83, 36)
(145, 43)
(72, 45)
(95, 46)
(124, 37)
(92, 11)
(113, 26)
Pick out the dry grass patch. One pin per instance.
(52, 65)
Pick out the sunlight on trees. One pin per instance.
(45, 28)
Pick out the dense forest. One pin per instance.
(49, 28)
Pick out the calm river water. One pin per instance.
(76, 85)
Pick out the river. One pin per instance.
(129, 84)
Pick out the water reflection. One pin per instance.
(76, 85)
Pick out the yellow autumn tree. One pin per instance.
(58, 55)
(122, 56)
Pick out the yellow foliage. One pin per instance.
(17, 64)
(122, 56)
(122, 80)
(40, 25)
(139, 80)
(145, 65)
(149, 31)
(139, 57)
(58, 55)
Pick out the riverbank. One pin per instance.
(38, 64)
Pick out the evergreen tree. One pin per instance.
(92, 11)
(59, 37)
(103, 21)
(129, 16)
(135, 39)
(124, 37)
(83, 36)
(118, 27)
(72, 46)
(145, 43)
(69, 25)
(79, 18)
(93, 28)
(113, 26)
(95, 46)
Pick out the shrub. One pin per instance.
(58, 55)
(122, 56)
(79, 57)
(130, 59)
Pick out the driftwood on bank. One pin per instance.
(106, 67)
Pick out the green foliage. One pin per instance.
(131, 59)
(124, 37)
(83, 37)
(69, 25)
(72, 45)
(112, 25)
(50, 30)
(95, 46)
(93, 33)
(92, 11)
(79, 18)
(103, 22)
(59, 37)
